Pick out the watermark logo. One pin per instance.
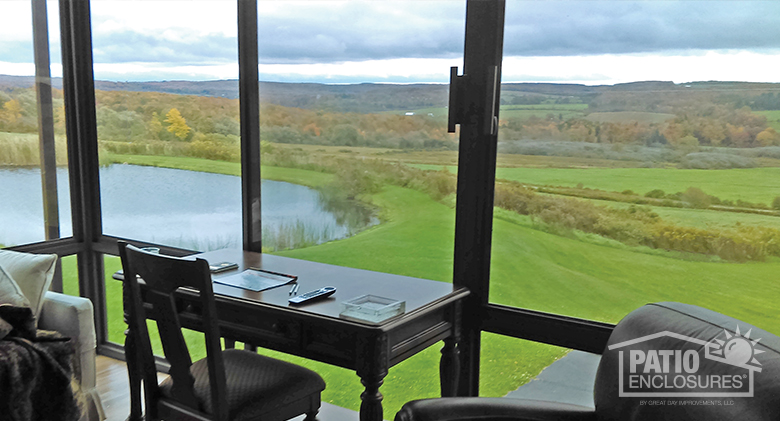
(649, 371)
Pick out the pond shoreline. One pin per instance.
(197, 209)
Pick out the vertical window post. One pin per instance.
(249, 98)
(478, 97)
(81, 125)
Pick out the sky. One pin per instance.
(583, 41)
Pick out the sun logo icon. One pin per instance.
(737, 350)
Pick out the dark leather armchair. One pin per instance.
(664, 361)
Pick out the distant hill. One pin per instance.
(372, 97)
(366, 97)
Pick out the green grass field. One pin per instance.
(530, 269)
(758, 185)
(508, 112)
(629, 116)
(702, 218)
(772, 118)
(541, 271)
(547, 106)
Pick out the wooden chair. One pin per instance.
(230, 384)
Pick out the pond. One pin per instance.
(193, 210)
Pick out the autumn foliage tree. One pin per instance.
(155, 126)
(177, 124)
(768, 137)
(12, 111)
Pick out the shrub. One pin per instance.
(712, 161)
(776, 203)
(644, 154)
(655, 194)
(354, 181)
(696, 198)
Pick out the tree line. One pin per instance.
(152, 116)
(702, 118)
(703, 125)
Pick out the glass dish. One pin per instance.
(371, 308)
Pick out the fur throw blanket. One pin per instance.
(35, 370)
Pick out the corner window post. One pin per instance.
(478, 97)
(249, 99)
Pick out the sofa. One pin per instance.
(663, 361)
(24, 282)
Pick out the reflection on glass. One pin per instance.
(150, 122)
(644, 168)
(24, 205)
(21, 186)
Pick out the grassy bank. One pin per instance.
(23, 149)
(290, 175)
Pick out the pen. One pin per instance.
(294, 289)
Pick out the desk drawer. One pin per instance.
(257, 328)
(238, 324)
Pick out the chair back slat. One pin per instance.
(174, 346)
(163, 275)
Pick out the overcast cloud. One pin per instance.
(142, 40)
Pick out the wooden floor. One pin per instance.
(115, 394)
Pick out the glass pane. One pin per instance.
(507, 365)
(635, 166)
(22, 186)
(353, 106)
(353, 110)
(167, 115)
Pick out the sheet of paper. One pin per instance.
(255, 280)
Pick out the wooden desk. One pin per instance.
(315, 331)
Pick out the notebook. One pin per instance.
(256, 280)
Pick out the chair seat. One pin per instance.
(256, 384)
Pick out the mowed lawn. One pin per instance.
(757, 185)
(702, 218)
(772, 118)
(530, 269)
(541, 271)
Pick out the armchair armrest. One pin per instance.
(74, 317)
(71, 316)
(492, 409)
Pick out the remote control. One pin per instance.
(313, 295)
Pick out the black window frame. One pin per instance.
(478, 94)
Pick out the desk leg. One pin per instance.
(371, 405)
(449, 368)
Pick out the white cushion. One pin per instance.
(32, 272)
(10, 293)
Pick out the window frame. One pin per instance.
(478, 91)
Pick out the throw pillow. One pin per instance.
(10, 294)
(32, 272)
